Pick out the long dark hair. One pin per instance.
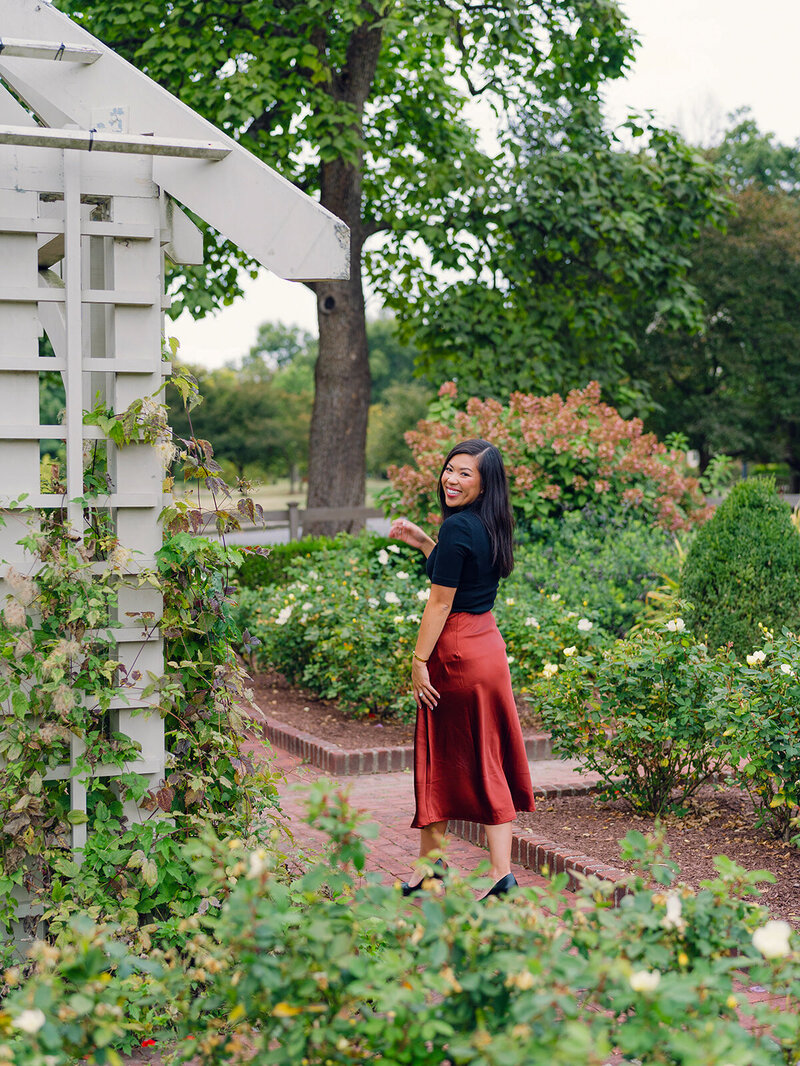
(493, 506)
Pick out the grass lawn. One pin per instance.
(276, 495)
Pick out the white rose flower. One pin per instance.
(570, 651)
(555, 597)
(393, 548)
(531, 621)
(676, 625)
(373, 602)
(412, 617)
(786, 669)
(584, 625)
(645, 980)
(391, 597)
(312, 575)
(424, 594)
(307, 607)
(30, 1021)
(509, 601)
(284, 615)
(383, 557)
(398, 618)
(672, 919)
(509, 659)
(402, 575)
(772, 939)
(549, 669)
(756, 658)
(258, 863)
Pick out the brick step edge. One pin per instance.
(342, 762)
(546, 857)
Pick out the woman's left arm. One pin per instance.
(437, 610)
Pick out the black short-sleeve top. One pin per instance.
(462, 560)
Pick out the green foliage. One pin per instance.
(641, 716)
(249, 419)
(743, 568)
(582, 246)
(399, 410)
(732, 386)
(560, 455)
(257, 570)
(60, 686)
(337, 966)
(604, 564)
(759, 702)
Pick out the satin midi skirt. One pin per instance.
(469, 755)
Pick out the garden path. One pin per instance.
(388, 800)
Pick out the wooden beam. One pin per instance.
(55, 50)
(241, 197)
(99, 141)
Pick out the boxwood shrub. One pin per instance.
(743, 568)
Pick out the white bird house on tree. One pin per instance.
(93, 165)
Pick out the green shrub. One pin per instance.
(641, 716)
(257, 570)
(743, 568)
(336, 967)
(346, 624)
(761, 725)
(600, 562)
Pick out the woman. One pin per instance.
(469, 755)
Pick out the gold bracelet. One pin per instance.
(419, 657)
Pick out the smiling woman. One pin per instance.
(469, 759)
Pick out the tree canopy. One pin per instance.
(735, 385)
(365, 103)
(580, 245)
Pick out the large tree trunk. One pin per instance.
(338, 439)
(337, 445)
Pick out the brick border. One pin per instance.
(343, 762)
(546, 857)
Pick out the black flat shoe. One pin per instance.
(409, 890)
(501, 887)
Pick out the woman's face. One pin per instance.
(461, 481)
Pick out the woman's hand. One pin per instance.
(425, 694)
(403, 529)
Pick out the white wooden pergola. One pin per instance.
(90, 171)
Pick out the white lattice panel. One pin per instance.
(81, 258)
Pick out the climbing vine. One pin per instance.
(61, 686)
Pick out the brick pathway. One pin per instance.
(388, 800)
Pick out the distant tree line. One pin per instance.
(257, 414)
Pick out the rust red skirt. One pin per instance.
(469, 755)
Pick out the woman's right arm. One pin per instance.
(407, 531)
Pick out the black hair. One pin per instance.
(493, 506)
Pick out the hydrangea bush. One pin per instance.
(560, 454)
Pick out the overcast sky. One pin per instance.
(698, 61)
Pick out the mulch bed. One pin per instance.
(324, 719)
(719, 822)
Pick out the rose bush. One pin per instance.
(336, 967)
(642, 715)
(347, 623)
(560, 454)
(758, 705)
